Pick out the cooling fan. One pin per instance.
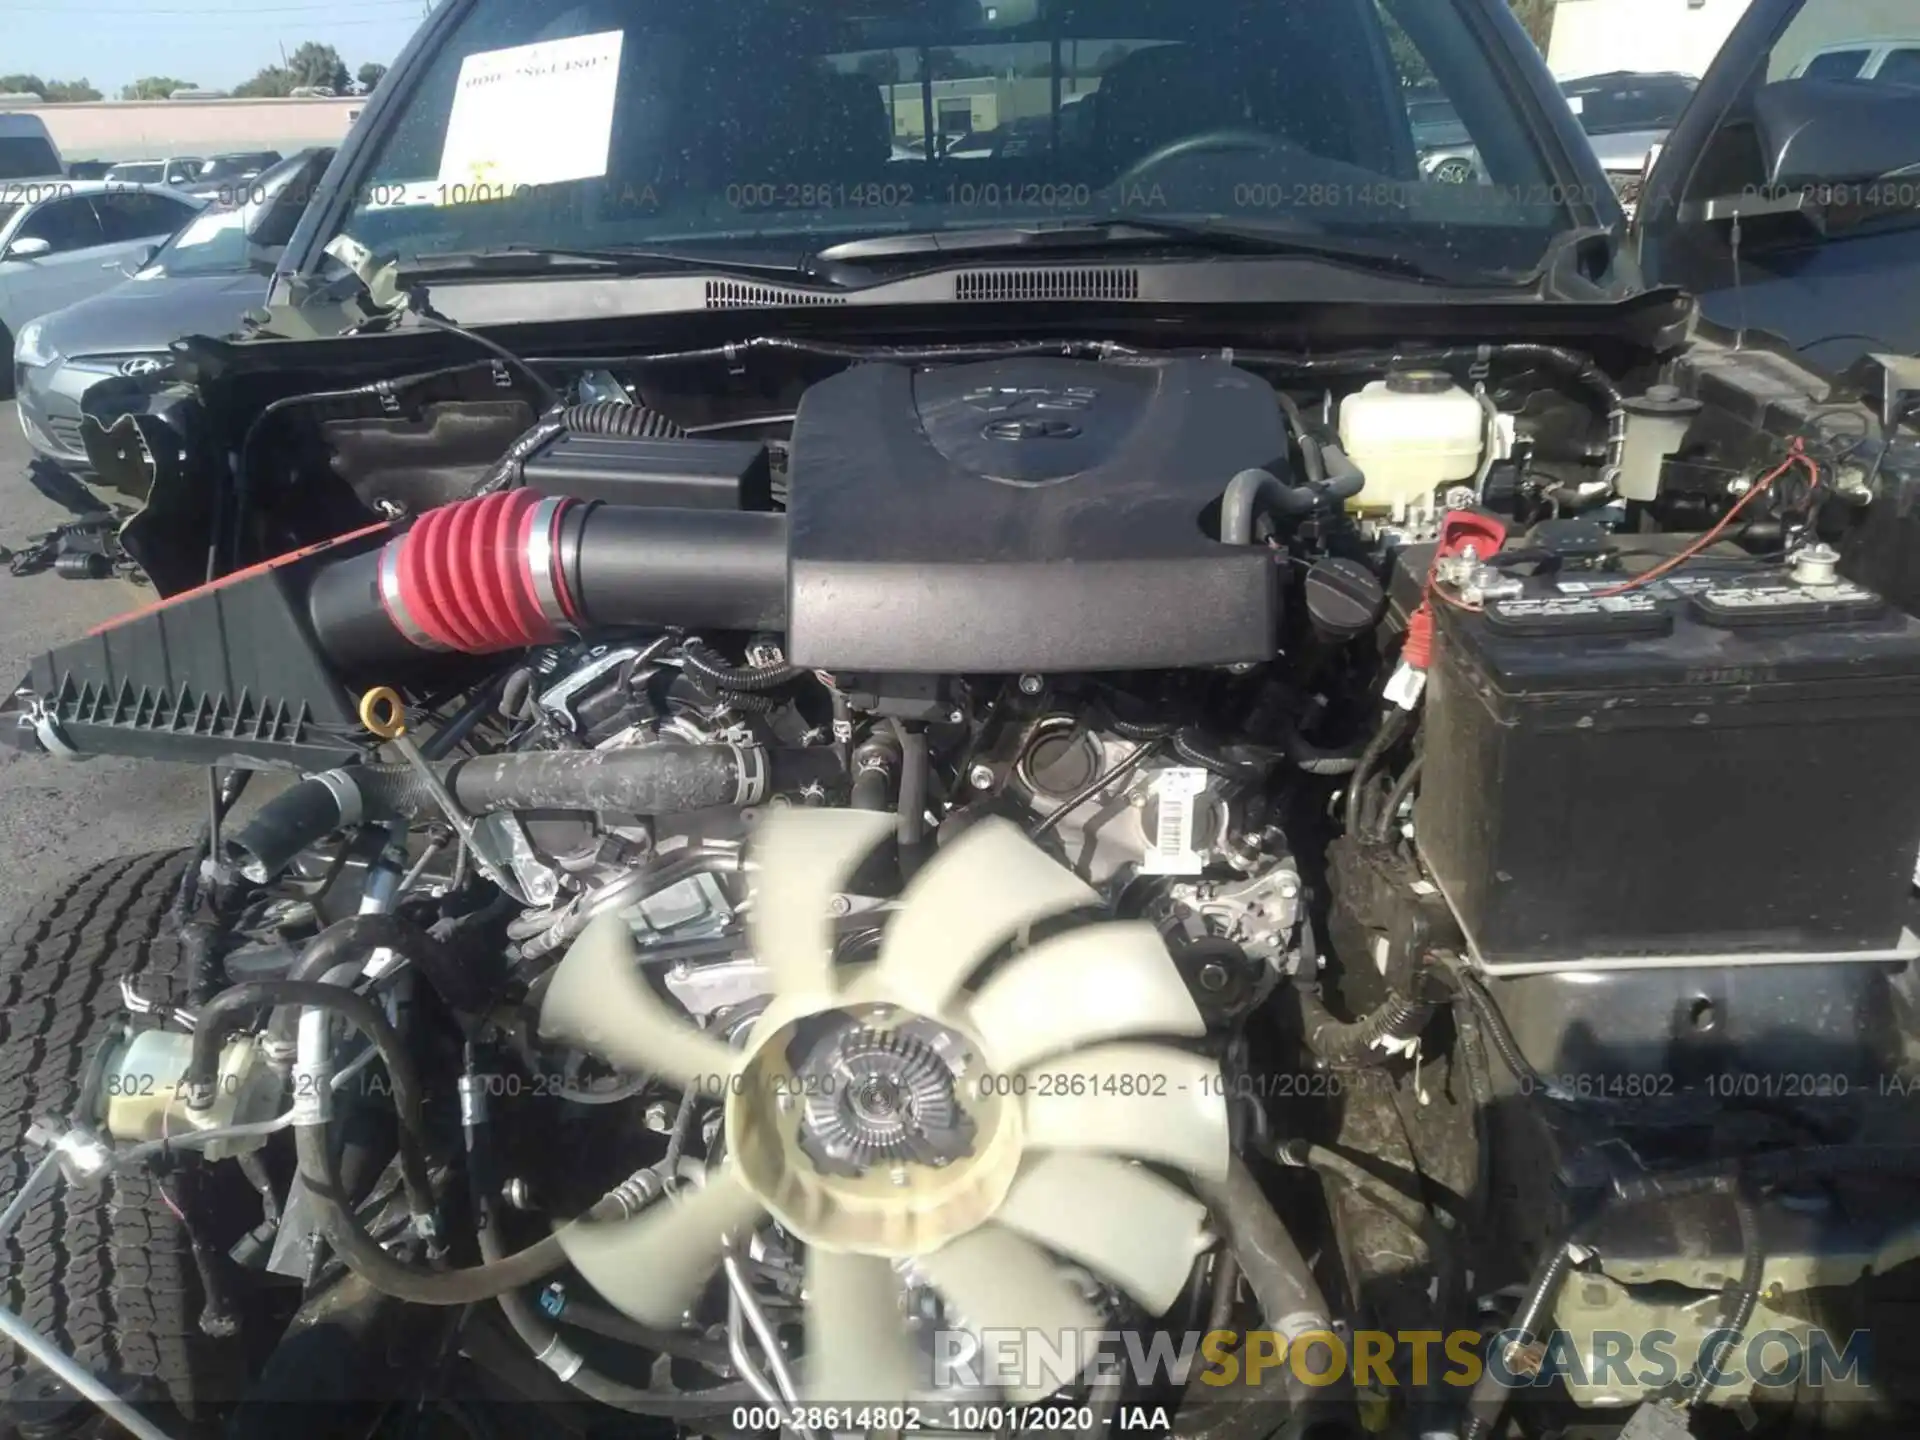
(908, 1130)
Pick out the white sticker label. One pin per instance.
(533, 115)
(1170, 846)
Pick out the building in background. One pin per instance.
(1598, 37)
(145, 129)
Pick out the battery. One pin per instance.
(1716, 766)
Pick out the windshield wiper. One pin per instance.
(510, 260)
(1145, 231)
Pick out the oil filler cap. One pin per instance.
(1344, 600)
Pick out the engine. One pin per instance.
(967, 860)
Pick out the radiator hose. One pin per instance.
(652, 780)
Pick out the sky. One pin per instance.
(212, 43)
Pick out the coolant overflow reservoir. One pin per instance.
(1410, 433)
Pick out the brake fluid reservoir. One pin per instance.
(1409, 434)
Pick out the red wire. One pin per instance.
(1706, 541)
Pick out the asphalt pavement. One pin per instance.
(56, 816)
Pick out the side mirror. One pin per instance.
(134, 264)
(28, 247)
(1829, 132)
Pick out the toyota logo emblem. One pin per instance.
(1031, 429)
(142, 365)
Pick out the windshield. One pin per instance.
(1630, 104)
(26, 156)
(787, 125)
(214, 242)
(138, 173)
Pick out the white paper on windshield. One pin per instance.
(209, 226)
(532, 115)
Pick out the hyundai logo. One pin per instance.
(142, 365)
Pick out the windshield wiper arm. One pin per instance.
(509, 260)
(1138, 231)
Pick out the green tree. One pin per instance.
(273, 82)
(944, 64)
(23, 85)
(1537, 16)
(155, 87)
(882, 67)
(71, 91)
(319, 66)
(369, 74)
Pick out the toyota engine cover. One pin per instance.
(1028, 515)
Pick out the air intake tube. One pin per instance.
(507, 571)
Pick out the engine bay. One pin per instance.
(847, 863)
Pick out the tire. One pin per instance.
(104, 1271)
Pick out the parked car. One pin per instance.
(200, 282)
(27, 151)
(1445, 146)
(1785, 198)
(225, 177)
(63, 241)
(178, 171)
(1626, 115)
(1896, 62)
(89, 169)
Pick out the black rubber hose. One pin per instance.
(1247, 492)
(1745, 1299)
(364, 1256)
(752, 679)
(1195, 751)
(1390, 733)
(1316, 760)
(1282, 1282)
(1129, 730)
(540, 1337)
(914, 765)
(217, 1020)
(1349, 1043)
(294, 820)
(876, 773)
(1396, 797)
(655, 780)
(509, 471)
(1489, 1399)
(615, 417)
(357, 937)
(1341, 479)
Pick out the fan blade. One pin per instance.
(1119, 1220)
(654, 1265)
(975, 894)
(859, 1349)
(1098, 983)
(801, 860)
(1148, 1101)
(599, 1000)
(1034, 1325)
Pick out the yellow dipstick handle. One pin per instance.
(384, 713)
